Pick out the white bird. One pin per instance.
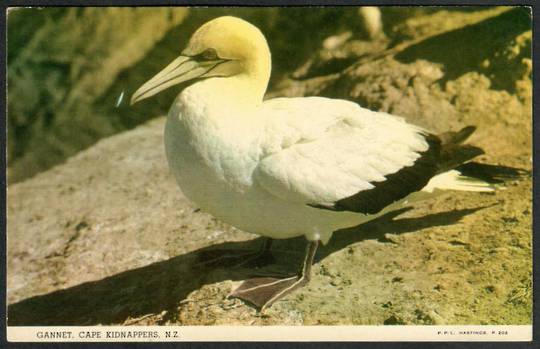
(289, 167)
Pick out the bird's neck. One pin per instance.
(257, 72)
(230, 93)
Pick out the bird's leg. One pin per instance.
(264, 291)
(234, 259)
(261, 257)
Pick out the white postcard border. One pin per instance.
(268, 333)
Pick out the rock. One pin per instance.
(393, 320)
(58, 76)
(371, 21)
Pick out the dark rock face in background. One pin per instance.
(61, 62)
(107, 238)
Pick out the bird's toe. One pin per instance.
(264, 291)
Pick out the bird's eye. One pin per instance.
(209, 54)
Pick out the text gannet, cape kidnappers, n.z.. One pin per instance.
(287, 167)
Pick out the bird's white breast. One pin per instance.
(213, 156)
(204, 155)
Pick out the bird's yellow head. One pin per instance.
(223, 47)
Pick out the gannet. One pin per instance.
(288, 167)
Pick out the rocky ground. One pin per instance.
(107, 238)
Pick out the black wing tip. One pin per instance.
(467, 131)
(455, 155)
(471, 151)
(492, 174)
(457, 137)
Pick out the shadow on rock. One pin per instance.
(162, 285)
(478, 47)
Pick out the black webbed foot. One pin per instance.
(264, 291)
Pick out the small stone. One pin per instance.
(394, 320)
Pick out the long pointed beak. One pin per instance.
(181, 69)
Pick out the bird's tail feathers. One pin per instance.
(457, 172)
(455, 180)
(473, 176)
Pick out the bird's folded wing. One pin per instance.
(318, 151)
